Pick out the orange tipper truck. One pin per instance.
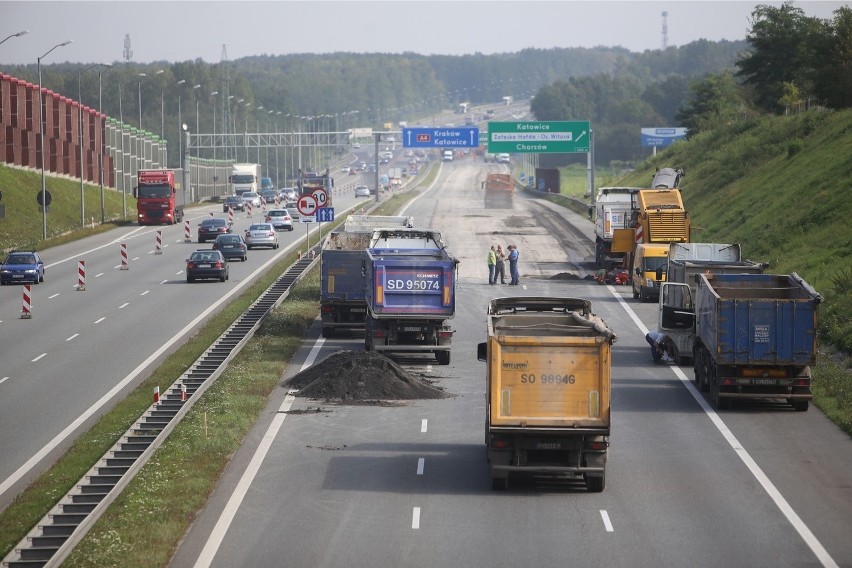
(548, 389)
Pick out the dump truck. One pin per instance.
(676, 307)
(755, 337)
(659, 218)
(410, 292)
(612, 210)
(499, 190)
(548, 389)
(308, 182)
(343, 305)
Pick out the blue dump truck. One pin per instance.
(343, 304)
(410, 292)
(755, 337)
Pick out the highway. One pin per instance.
(408, 485)
(82, 351)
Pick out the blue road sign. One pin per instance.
(662, 137)
(466, 137)
(325, 214)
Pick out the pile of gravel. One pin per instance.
(360, 376)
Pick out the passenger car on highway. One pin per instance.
(362, 191)
(268, 196)
(231, 246)
(22, 266)
(288, 194)
(279, 219)
(261, 235)
(251, 197)
(292, 210)
(206, 264)
(209, 229)
(234, 202)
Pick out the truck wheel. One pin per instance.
(800, 405)
(443, 357)
(595, 484)
(499, 483)
(598, 255)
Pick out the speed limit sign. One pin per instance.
(307, 205)
(321, 196)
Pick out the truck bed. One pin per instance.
(757, 319)
(415, 283)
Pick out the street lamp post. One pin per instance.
(80, 128)
(215, 176)
(180, 125)
(101, 149)
(41, 140)
(123, 155)
(19, 34)
(257, 131)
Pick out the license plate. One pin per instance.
(412, 329)
(548, 446)
(359, 310)
(203, 266)
(763, 381)
(17, 276)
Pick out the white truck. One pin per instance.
(676, 305)
(613, 209)
(244, 178)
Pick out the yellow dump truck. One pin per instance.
(548, 389)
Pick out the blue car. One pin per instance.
(22, 266)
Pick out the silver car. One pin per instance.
(261, 235)
(279, 219)
(252, 197)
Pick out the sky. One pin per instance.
(174, 31)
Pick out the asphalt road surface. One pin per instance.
(759, 485)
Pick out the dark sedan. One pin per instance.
(206, 264)
(234, 203)
(209, 229)
(22, 266)
(231, 246)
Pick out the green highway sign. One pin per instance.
(538, 137)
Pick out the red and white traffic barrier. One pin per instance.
(159, 249)
(230, 215)
(26, 310)
(81, 275)
(248, 209)
(156, 395)
(187, 234)
(182, 392)
(124, 265)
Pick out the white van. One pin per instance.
(447, 156)
(504, 158)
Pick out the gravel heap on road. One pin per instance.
(358, 376)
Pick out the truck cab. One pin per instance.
(649, 270)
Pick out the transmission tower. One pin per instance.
(665, 30)
(128, 53)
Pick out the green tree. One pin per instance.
(781, 49)
(715, 100)
(832, 76)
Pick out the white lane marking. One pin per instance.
(135, 258)
(52, 296)
(124, 305)
(421, 463)
(39, 357)
(607, 523)
(73, 336)
(3, 380)
(145, 292)
(100, 320)
(224, 522)
(792, 517)
(128, 235)
(423, 425)
(164, 281)
(415, 518)
(214, 541)
(101, 274)
(117, 266)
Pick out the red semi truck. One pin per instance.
(158, 200)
